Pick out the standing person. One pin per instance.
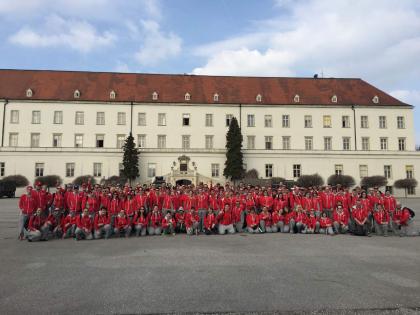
(167, 203)
(328, 201)
(122, 225)
(252, 222)
(91, 203)
(225, 220)
(238, 216)
(129, 205)
(75, 200)
(192, 222)
(180, 221)
(340, 220)
(381, 218)
(58, 201)
(202, 205)
(155, 220)
(27, 206)
(114, 208)
(325, 225)
(84, 226)
(265, 221)
(102, 224)
(168, 224)
(210, 223)
(37, 227)
(40, 196)
(140, 222)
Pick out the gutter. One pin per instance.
(131, 118)
(4, 121)
(354, 123)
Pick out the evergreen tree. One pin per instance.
(130, 159)
(234, 160)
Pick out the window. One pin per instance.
(39, 169)
(382, 122)
(161, 141)
(70, 169)
(390, 188)
(58, 117)
(141, 141)
(121, 169)
(400, 122)
(375, 99)
(209, 142)
(36, 117)
(97, 169)
(2, 169)
(100, 118)
(258, 98)
(215, 170)
(296, 170)
(121, 118)
(185, 141)
(363, 171)
(76, 94)
(308, 121)
(268, 142)
(185, 119)
(364, 122)
(112, 95)
(209, 120)
(250, 142)
(268, 121)
(216, 97)
(228, 119)
(155, 96)
(151, 170)
(13, 139)
(100, 139)
(29, 93)
(327, 121)
(411, 191)
(251, 120)
(141, 119)
(286, 142)
(285, 121)
(345, 121)
(387, 171)
(296, 99)
(365, 143)
(161, 119)
(346, 143)
(338, 169)
(308, 143)
(327, 143)
(401, 144)
(80, 118)
(78, 140)
(334, 99)
(35, 140)
(57, 140)
(120, 141)
(409, 171)
(187, 96)
(14, 116)
(268, 170)
(383, 143)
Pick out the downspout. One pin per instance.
(240, 115)
(354, 123)
(4, 121)
(131, 118)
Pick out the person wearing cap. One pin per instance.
(328, 198)
(27, 206)
(168, 224)
(252, 222)
(122, 225)
(225, 220)
(210, 226)
(340, 220)
(84, 226)
(102, 225)
(180, 221)
(37, 227)
(140, 222)
(155, 222)
(381, 220)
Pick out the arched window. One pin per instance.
(29, 93)
(216, 97)
(296, 99)
(155, 96)
(76, 94)
(187, 96)
(375, 99)
(258, 98)
(334, 99)
(112, 95)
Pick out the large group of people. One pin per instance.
(96, 211)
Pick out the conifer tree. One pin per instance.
(130, 159)
(234, 159)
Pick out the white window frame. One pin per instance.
(250, 118)
(400, 122)
(186, 120)
(79, 118)
(70, 167)
(99, 137)
(383, 143)
(268, 170)
(14, 116)
(13, 139)
(161, 141)
(121, 118)
(338, 169)
(365, 143)
(382, 122)
(151, 170)
(345, 121)
(388, 171)
(364, 121)
(2, 169)
(326, 121)
(268, 142)
(327, 143)
(36, 117)
(346, 143)
(215, 170)
(141, 141)
(308, 121)
(100, 118)
(57, 140)
(186, 142)
(297, 170)
(97, 169)
(402, 144)
(161, 119)
(268, 121)
(286, 142)
(76, 137)
(35, 139)
(285, 121)
(39, 169)
(120, 140)
(309, 143)
(228, 119)
(363, 170)
(250, 144)
(209, 120)
(58, 117)
(209, 141)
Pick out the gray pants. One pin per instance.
(81, 234)
(223, 229)
(279, 227)
(154, 230)
(264, 228)
(311, 231)
(103, 231)
(340, 228)
(38, 235)
(202, 215)
(406, 230)
(126, 231)
(292, 225)
(252, 231)
(329, 230)
(140, 230)
(23, 220)
(193, 229)
(286, 228)
(300, 227)
(381, 229)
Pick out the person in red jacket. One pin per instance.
(140, 222)
(312, 224)
(265, 221)
(69, 225)
(299, 220)
(277, 220)
(360, 218)
(381, 218)
(122, 225)
(192, 222)
(102, 224)
(114, 208)
(340, 220)
(238, 215)
(37, 227)
(210, 223)
(58, 199)
(168, 224)
(155, 222)
(180, 221)
(54, 222)
(325, 225)
(27, 206)
(202, 202)
(289, 221)
(253, 222)
(75, 200)
(328, 201)
(129, 205)
(91, 203)
(225, 220)
(84, 226)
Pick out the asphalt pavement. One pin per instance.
(270, 273)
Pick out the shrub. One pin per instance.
(310, 180)
(115, 180)
(252, 173)
(49, 180)
(374, 181)
(343, 180)
(84, 179)
(18, 180)
(405, 184)
(277, 180)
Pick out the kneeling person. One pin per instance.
(102, 224)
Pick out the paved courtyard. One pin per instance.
(240, 273)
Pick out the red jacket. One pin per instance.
(202, 201)
(41, 197)
(276, 217)
(266, 217)
(288, 216)
(360, 214)
(167, 202)
(140, 220)
(210, 221)
(225, 217)
(75, 202)
(122, 222)
(190, 218)
(342, 218)
(129, 206)
(266, 201)
(252, 220)
(84, 222)
(328, 200)
(141, 200)
(91, 203)
(381, 217)
(36, 222)
(213, 202)
(155, 219)
(279, 204)
(237, 213)
(68, 221)
(114, 207)
(311, 222)
(166, 222)
(389, 203)
(324, 222)
(101, 220)
(27, 204)
(180, 217)
(58, 200)
(300, 217)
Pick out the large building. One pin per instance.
(74, 123)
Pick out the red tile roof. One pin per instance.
(96, 86)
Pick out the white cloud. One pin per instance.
(58, 32)
(122, 67)
(156, 45)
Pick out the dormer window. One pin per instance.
(258, 98)
(334, 99)
(29, 93)
(216, 97)
(296, 99)
(76, 94)
(155, 96)
(187, 96)
(112, 95)
(375, 99)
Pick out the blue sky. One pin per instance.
(378, 41)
